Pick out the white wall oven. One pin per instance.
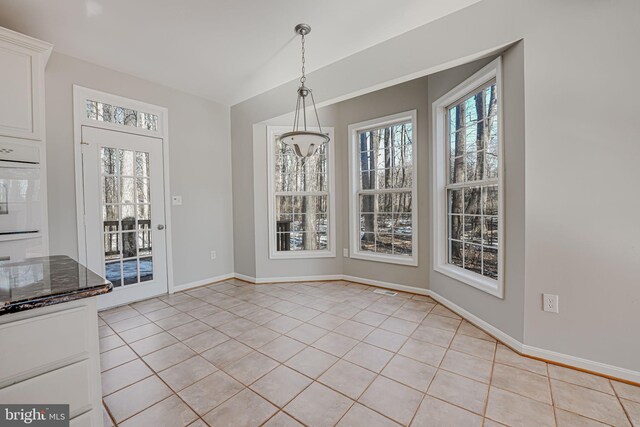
(21, 200)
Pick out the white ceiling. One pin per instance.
(223, 50)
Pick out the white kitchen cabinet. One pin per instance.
(22, 127)
(22, 62)
(51, 355)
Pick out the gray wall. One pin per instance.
(506, 314)
(199, 156)
(411, 95)
(403, 97)
(273, 268)
(581, 198)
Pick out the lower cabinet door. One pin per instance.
(70, 385)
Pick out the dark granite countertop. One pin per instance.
(44, 281)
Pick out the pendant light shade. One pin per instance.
(303, 141)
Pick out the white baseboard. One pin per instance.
(585, 364)
(387, 285)
(249, 279)
(262, 280)
(472, 318)
(527, 350)
(185, 286)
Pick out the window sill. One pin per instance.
(490, 286)
(302, 254)
(390, 259)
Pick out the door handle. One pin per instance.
(160, 227)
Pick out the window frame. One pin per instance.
(330, 252)
(495, 287)
(354, 189)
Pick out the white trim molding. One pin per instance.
(265, 280)
(202, 282)
(354, 189)
(440, 172)
(330, 252)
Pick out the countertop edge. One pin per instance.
(48, 300)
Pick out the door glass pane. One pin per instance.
(126, 162)
(127, 192)
(126, 215)
(144, 212)
(109, 189)
(142, 164)
(146, 269)
(111, 246)
(143, 190)
(130, 272)
(129, 249)
(113, 272)
(109, 161)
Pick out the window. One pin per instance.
(383, 204)
(301, 204)
(468, 217)
(121, 116)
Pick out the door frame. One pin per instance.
(80, 96)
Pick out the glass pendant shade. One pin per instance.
(304, 142)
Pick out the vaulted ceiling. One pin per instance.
(223, 50)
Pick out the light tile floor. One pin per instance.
(332, 353)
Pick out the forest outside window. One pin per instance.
(300, 200)
(383, 202)
(469, 233)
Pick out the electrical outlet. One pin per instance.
(550, 303)
(214, 255)
(176, 200)
(345, 252)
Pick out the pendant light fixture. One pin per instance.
(303, 141)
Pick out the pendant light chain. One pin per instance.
(303, 78)
(304, 142)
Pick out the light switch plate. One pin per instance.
(176, 200)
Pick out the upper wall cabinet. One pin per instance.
(22, 62)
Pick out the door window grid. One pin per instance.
(126, 214)
(385, 190)
(472, 182)
(301, 199)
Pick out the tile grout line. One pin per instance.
(626, 413)
(160, 378)
(279, 295)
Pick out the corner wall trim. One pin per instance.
(207, 281)
(598, 368)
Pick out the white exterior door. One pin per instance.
(124, 215)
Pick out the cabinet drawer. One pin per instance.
(42, 343)
(70, 385)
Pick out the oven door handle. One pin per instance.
(19, 164)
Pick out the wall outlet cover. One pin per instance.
(550, 303)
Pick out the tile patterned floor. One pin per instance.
(332, 353)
